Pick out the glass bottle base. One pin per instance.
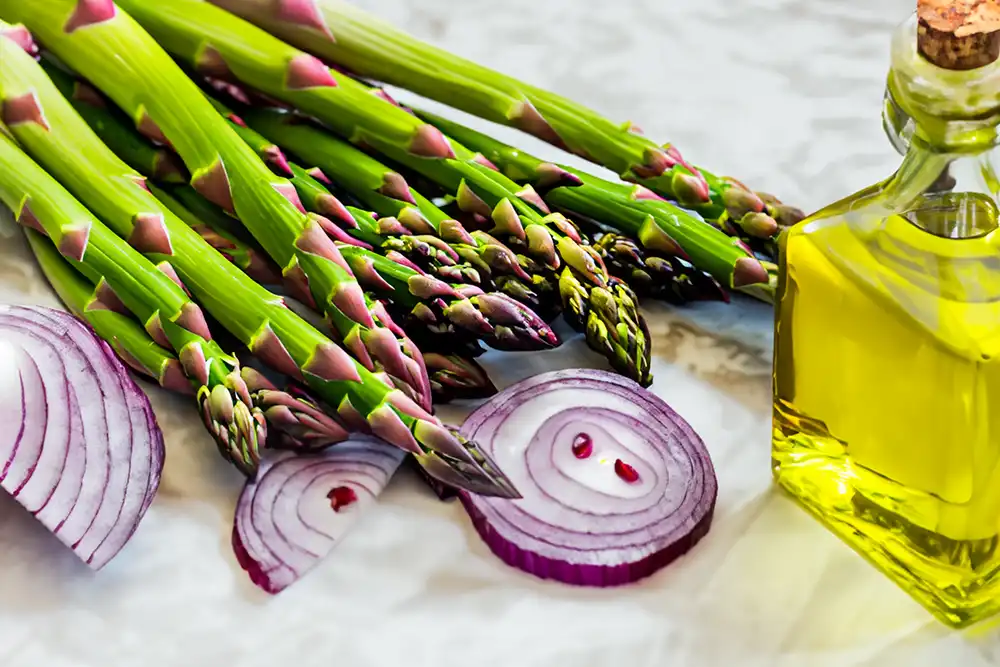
(958, 581)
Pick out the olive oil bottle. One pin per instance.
(887, 340)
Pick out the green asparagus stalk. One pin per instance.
(294, 420)
(129, 280)
(133, 344)
(214, 226)
(372, 48)
(48, 127)
(112, 51)
(265, 150)
(115, 130)
(218, 44)
(632, 210)
(458, 311)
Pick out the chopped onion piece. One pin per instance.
(301, 505)
(615, 485)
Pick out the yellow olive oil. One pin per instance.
(887, 393)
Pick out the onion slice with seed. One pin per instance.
(301, 505)
(83, 451)
(615, 484)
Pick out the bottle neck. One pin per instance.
(944, 123)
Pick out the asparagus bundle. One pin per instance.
(126, 279)
(294, 420)
(387, 193)
(633, 211)
(47, 127)
(218, 43)
(369, 47)
(454, 374)
(165, 104)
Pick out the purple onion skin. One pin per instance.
(578, 574)
(554, 532)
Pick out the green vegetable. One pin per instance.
(46, 126)
(387, 193)
(213, 225)
(117, 56)
(454, 310)
(341, 33)
(114, 129)
(662, 227)
(211, 40)
(130, 341)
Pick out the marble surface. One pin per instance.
(784, 94)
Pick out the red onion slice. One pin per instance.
(87, 452)
(615, 484)
(301, 505)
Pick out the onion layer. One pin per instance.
(615, 484)
(83, 452)
(301, 505)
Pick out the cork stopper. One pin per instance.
(959, 34)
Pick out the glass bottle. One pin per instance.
(887, 345)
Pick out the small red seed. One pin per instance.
(583, 446)
(341, 496)
(626, 472)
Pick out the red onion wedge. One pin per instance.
(301, 505)
(83, 451)
(615, 485)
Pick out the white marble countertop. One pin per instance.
(783, 94)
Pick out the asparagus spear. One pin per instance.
(660, 226)
(403, 211)
(53, 133)
(294, 420)
(99, 41)
(221, 44)
(126, 279)
(115, 130)
(372, 48)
